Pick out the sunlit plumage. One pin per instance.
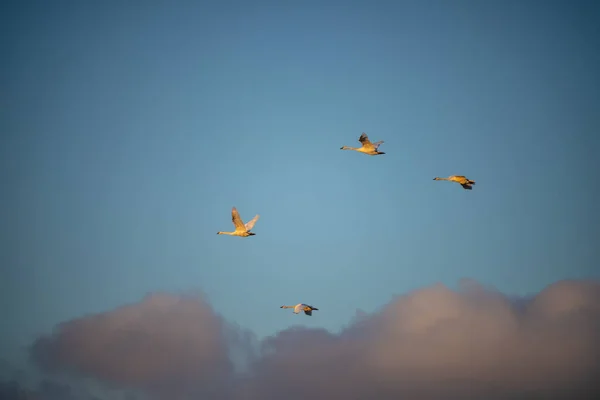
(241, 229)
(302, 307)
(462, 180)
(367, 147)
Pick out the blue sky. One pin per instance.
(129, 132)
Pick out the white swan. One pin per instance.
(367, 147)
(464, 182)
(302, 307)
(241, 229)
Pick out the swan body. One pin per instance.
(302, 307)
(241, 229)
(367, 147)
(462, 180)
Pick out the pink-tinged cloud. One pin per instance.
(434, 343)
(164, 344)
(437, 343)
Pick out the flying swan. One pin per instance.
(302, 307)
(241, 229)
(367, 147)
(464, 182)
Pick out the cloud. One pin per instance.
(46, 390)
(439, 343)
(165, 344)
(12, 390)
(433, 343)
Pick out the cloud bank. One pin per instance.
(433, 343)
(167, 345)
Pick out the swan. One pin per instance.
(241, 229)
(302, 307)
(367, 147)
(464, 182)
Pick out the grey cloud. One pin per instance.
(439, 343)
(433, 343)
(45, 390)
(165, 344)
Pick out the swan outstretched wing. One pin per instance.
(250, 224)
(237, 221)
(309, 309)
(364, 139)
(377, 144)
(461, 179)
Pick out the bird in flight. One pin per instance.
(462, 180)
(241, 229)
(302, 307)
(367, 147)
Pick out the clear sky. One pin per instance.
(130, 130)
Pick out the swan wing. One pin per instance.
(377, 144)
(364, 139)
(250, 224)
(461, 179)
(237, 220)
